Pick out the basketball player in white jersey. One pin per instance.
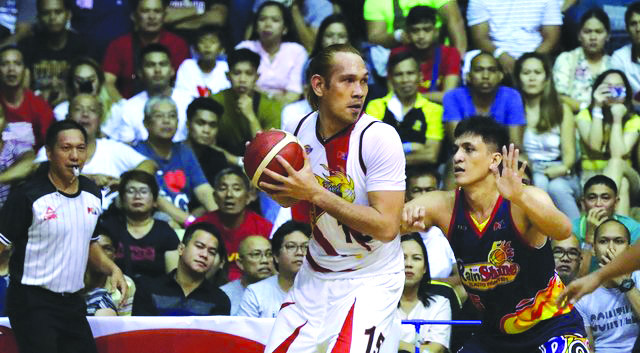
(352, 185)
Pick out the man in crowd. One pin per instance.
(156, 74)
(203, 115)
(246, 111)
(610, 313)
(289, 244)
(50, 50)
(185, 291)
(123, 53)
(233, 218)
(439, 64)
(255, 259)
(599, 200)
(55, 210)
(509, 28)
(417, 120)
(19, 103)
(568, 257)
(179, 175)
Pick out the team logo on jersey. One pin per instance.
(92, 210)
(338, 183)
(499, 225)
(308, 148)
(498, 270)
(50, 213)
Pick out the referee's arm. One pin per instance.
(101, 262)
(15, 218)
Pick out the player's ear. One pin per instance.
(496, 159)
(180, 249)
(317, 85)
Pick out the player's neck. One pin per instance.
(481, 197)
(328, 126)
(410, 294)
(162, 147)
(13, 96)
(57, 41)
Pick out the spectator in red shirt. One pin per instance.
(121, 56)
(436, 60)
(19, 103)
(233, 219)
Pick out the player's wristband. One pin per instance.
(407, 147)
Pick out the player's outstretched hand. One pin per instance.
(509, 183)
(298, 184)
(577, 289)
(412, 219)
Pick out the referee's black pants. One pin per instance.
(47, 322)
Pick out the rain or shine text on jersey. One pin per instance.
(366, 156)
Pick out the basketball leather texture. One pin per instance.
(262, 151)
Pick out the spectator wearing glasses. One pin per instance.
(255, 259)
(567, 255)
(264, 298)
(148, 246)
(610, 312)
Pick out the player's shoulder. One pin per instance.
(373, 126)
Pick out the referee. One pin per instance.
(51, 219)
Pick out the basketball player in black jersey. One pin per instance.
(499, 229)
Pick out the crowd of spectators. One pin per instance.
(169, 93)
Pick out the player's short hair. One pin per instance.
(600, 180)
(633, 8)
(599, 228)
(492, 132)
(425, 282)
(397, 58)
(204, 103)
(51, 138)
(9, 47)
(141, 177)
(233, 170)
(321, 65)
(285, 229)
(243, 55)
(153, 101)
(423, 170)
(421, 14)
(152, 48)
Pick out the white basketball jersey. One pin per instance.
(366, 156)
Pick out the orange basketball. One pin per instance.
(262, 151)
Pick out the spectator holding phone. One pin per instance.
(609, 130)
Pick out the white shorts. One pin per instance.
(338, 315)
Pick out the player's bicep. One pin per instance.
(15, 217)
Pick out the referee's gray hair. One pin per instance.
(152, 101)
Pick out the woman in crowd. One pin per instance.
(148, 247)
(418, 304)
(85, 76)
(281, 58)
(550, 136)
(575, 70)
(609, 131)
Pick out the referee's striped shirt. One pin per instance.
(51, 233)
